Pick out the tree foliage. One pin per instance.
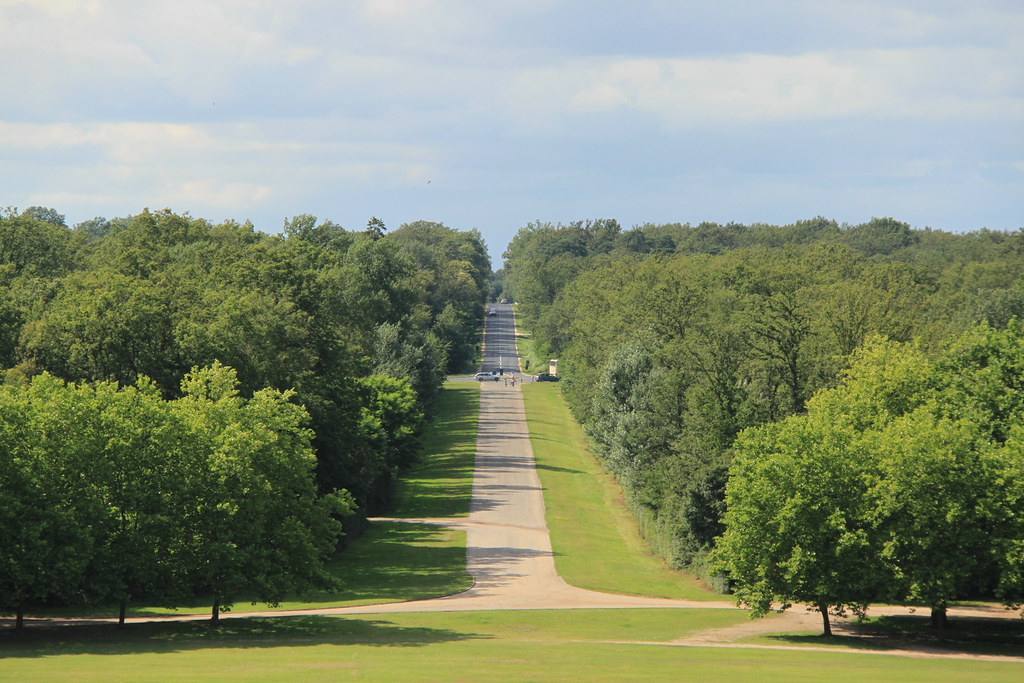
(906, 459)
(315, 352)
(740, 325)
(114, 493)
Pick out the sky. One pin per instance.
(494, 114)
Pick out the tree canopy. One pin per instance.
(232, 394)
(673, 339)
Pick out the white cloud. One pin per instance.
(216, 193)
(234, 167)
(262, 105)
(878, 84)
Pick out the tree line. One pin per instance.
(903, 483)
(678, 342)
(160, 367)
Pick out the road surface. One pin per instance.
(508, 547)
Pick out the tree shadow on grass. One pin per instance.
(959, 628)
(441, 499)
(552, 468)
(964, 635)
(400, 561)
(159, 638)
(819, 640)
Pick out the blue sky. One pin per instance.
(489, 115)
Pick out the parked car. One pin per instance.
(485, 376)
(547, 377)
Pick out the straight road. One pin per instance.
(508, 547)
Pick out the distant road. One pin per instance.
(508, 547)
(500, 353)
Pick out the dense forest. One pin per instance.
(196, 408)
(678, 343)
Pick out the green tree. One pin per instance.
(136, 474)
(45, 214)
(375, 228)
(46, 542)
(258, 524)
(931, 503)
(796, 526)
(33, 246)
(106, 326)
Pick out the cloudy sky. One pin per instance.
(492, 114)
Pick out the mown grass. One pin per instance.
(567, 645)
(593, 534)
(441, 484)
(533, 359)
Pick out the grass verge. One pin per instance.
(593, 534)
(441, 484)
(533, 359)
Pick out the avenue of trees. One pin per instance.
(691, 354)
(198, 409)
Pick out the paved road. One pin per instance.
(508, 545)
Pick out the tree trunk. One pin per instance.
(215, 615)
(939, 619)
(120, 612)
(826, 624)
(19, 619)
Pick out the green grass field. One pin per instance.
(441, 484)
(562, 645)
(594, 536)
(978, 636)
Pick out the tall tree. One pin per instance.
(258, 524)
(796, 521)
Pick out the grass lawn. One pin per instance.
(594, 536)
(441, 484)
(566, 645)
